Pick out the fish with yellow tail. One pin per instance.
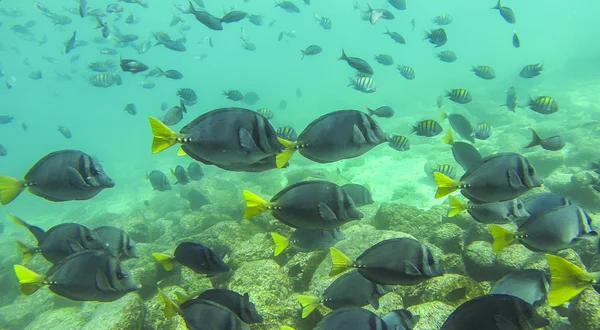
(567, 280)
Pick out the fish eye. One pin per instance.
(121, 276)
(520, 206)
(95, 172)
(90, 238)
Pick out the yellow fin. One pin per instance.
(29, 281)
(181, 152)
(285, 327)
(566, 280)
(18, 221)
(171, 307)
(165, 260)
(502, 237)
(443, 114)
(27, 251)
(181, 297)
(448, 139)
(446, 184)
(164, 137)
(283, 157)
(254, 204)
(456, 206)
(340, 261)
(10, 188)
(309, 303)
(281, 243)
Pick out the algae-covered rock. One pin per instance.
(584, 312)
(302, 266)
(195, 222)
(270, 289)
(448, 237)
(409, 219)
(480, 261)
(433, 315)
(516, 257)
(451, 289)
(551, 315)
(258, 247)
(478, 231)
(59, 319)
(165, 202)
(126, 313)
(155, 318)
(141, 229)
(545, 162)
(453, 264)
(225, 234)
(24, 309)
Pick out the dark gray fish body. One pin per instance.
(515, 40)
(132, 66)
(531, 70)
(406, 72)
(482, 131)
(499, 177)
(511, 99)
(437, 37)
(265, 164)
(130, 109)
(401, 319)
(288, 6)
(282, 105)
(340, 135)
(3, 151)
(556, 229)
(383, 112)
(82, 8)
(399, 142)
(256, 19)
(200, 258)
(364, 84)
(461, 96)
(174, 115)
(246, 136)
(176, 45)
(506, 13)
(543, 104)
(159, 181)
(384, 59)
(538, 204)
(207, 19)
(4, 119)
(465, 155)
(495, 312)
(63, 240)
(267, 114)
(498, 212)
(553, 143)
(200, 314)
(239, 304)
(196, 199)
(311, 50)
(92, 275)
(447, 56)
(234, 95)
(398, 4)
(351, 318)
(308, 240)
(360, 195)
(105, 80)
(357, 63)
(103, 66)
(397, 37)
(443, 19)
(251, 98)
(462, 126)
(447, 169)
(70, 44)
(195, 171)
(181, 175)
(531, 285)
(67, 175)
(234, 16)
(188, 95)
(287, 133)
(353, 290)
(35, 75)
(427, 128)
(314, 205)
(120, 245)
(484, 72)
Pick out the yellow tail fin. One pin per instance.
(10, 188)
(164, 137)
(502, 237)
(446, 185)
(566, 280)
(281, 243)
(309, 303)
(443, 114)
(285, 327)
(18, 221)
(181, 152)
(181, 297)
(448, 139)
(340, 261)
(254, 204)
(29, 281)
(165, 260)
(456, 206)
(283, 157)
(171, 307)
(27, 251)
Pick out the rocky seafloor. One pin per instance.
(462, 244)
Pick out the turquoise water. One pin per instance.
(559, 34)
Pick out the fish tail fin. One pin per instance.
(254, 204)
(497, 6)
(182, 106)
(10, 188)
(340, 261)
(164, 137)
(181, 297)
(29, 281)
(443, 114)
(448, 138)
(38, 232)
(285, 327)
(369, 110)
(456, 206)
(27, 251)
(566, 280)
(181, 152)
(165, 260)
(445, 184)
(160, 71)
(283, 157)
(309, 304)
(303, 54)
(171, 307)
(535, 139)
(281, 243)
(502, 237)
(343, 57)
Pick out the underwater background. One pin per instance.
(558, 34)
